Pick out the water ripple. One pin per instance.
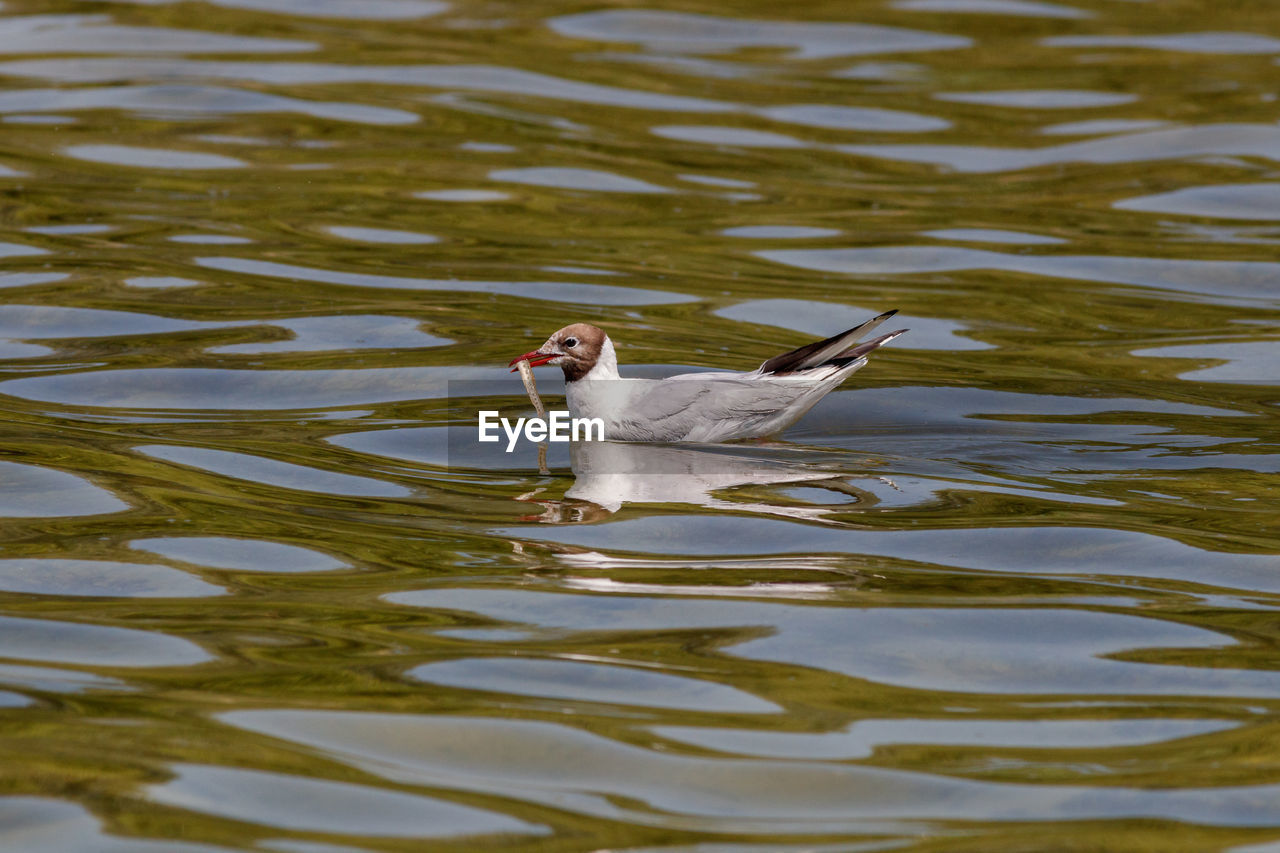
(96, 34)
(242, 555)
(592, 180)
(151, 158)
(45, 824)
(346, 332)
(816, 318)
(1016, 8)
(172, 100)
(94, 645)
(365, 10)
(556, 291)
(864, 737)
(956, 650)
(685, 32)
(478, 78)
(219, 390)
(1249, 281)
(1227, 201)
(1240, 140)
(726, 135)
(30, 491)
(1040, 99)
(582, 681)
(856, 118)
(270, 472)
(568, 768)
(1219, 43)
(315, 805)
(382, 235)
(100, 578)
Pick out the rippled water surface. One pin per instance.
(1016, 586)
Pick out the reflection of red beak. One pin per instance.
(535, 359)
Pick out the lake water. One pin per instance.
(1016, 586)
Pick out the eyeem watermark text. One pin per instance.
(558, 427)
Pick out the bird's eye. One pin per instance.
(571, 342)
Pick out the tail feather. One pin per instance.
(856, 352)
(837, 349)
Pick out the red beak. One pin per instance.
(535, 359)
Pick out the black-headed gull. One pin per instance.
(701, 407)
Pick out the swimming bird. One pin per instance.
(701, 407)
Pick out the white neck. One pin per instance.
(606, 366)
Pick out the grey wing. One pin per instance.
(709, 407)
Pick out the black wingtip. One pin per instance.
(856, 352)
(821, 352)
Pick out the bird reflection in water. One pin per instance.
(609, 475)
